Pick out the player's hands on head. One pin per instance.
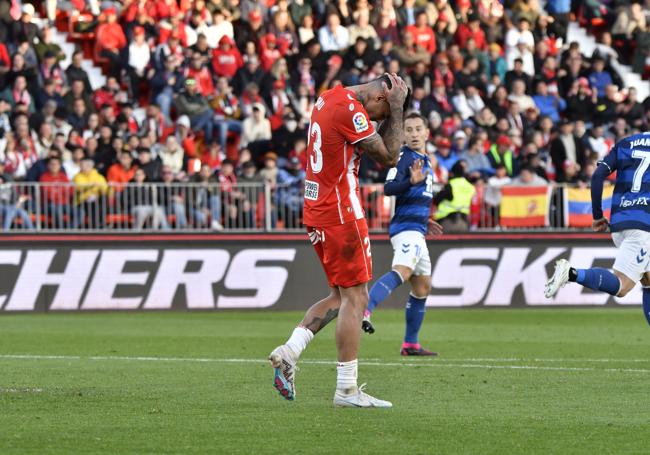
(395, 95)
(417, 175)
(600, 225)
(434, 228)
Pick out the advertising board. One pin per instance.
(209, 272)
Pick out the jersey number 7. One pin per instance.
(640, 171)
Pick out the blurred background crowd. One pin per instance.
(220, 92)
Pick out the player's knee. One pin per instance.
(335, 293)
(357, 298)
(626, 284)
(421, 285)
(404, 272)
(421, 291)
(624, 290)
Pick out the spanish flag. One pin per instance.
(524, 206)
(577, 205)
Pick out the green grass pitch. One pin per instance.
(507, 381)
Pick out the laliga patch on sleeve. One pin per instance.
(360, 122)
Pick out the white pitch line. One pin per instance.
(542, 360)
(20, 390)
(432, 364)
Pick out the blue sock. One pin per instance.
(599, 280)
(414, 316)
(646, 304)
(383, 288)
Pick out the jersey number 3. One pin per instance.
(640, 171)
(316, 139)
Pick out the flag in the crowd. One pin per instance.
(577, 206)
(524, 206)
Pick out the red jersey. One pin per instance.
(338, 121)
(425, 38)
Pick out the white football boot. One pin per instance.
(356, 398)
(559, 279)
(284, 364)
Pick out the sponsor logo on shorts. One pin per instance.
(311, 190)
(316, 236)
(360, 122)
(641, 256)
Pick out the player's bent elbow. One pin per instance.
(390, 161)
(385, 160)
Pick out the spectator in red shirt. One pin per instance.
(56, 192)
(166, 8)
(471, 30)
(147, 8)
(171, 47)
(226, 59)
(175, 27)
(443, 73)
(423, 33)
(269, 51)
(213, 157)
(5, 61)
(107, 94)
(201, 74)
(111, 41)
(119, 174)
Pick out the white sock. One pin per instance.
(346, 374)
(299, 340)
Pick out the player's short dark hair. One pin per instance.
(384, 78)
(415, 114)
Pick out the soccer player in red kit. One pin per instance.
(340, 130)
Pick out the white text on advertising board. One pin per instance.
(91, 277)
(215, 278)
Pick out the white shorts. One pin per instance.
(410, 250)
(633, 256)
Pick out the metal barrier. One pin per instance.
(209, 207)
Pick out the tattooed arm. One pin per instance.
(392, 130)
(376, 149)
(384, 147)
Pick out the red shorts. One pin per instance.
(344, 251)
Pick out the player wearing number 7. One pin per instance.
(630, 224)
(411, 181)
(339, 131)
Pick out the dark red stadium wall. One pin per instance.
(158, 272)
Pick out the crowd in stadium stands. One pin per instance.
(227, 87)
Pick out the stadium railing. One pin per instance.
(255, 207)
